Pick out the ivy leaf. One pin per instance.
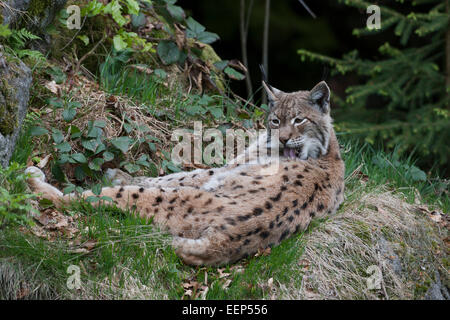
(64, 147)
(221, 65)
(108, 156)
(57, 136)
(69, 114)
(176, 12)
(90, 145)
(122, 143)
(79, 157)
(168, 52)
(138, 20)
(96, 164)
(194, 28)
(233, 74)
(208, 37)
(131, 168)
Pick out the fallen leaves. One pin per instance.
(53, 224)
(436, 216)
(197, 287)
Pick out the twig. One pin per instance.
(77, 67)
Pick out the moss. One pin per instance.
(8, 107)
(8, 112)
(36, 8)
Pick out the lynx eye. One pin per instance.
(275, 122)
(298, 121)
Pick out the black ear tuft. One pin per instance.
(272, 93)
(320, 96)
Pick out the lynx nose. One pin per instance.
(284, 140)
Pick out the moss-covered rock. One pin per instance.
(15, 82)
(35, 15)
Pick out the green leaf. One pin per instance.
(233, 74)
(69, 189)
(138, 21)
(160, 73)
(131, 168)
(84, 38)
(80, 173)
(5, 32)
(100, 123)
(64, 147)
(91, 199)
(122, 143)
(75, 132)
(208, 37)
(57, 136)
(168, 52)
(90, 145)
(176, 12)
(119, 43)
(108, 156)
(95, 132)
(216, 112)
(97, 189)
(416, 174)
(38, 131)
(79, 157)
(69, 114)
(57, 74)
(96, 164)
(133, 7)
(221, 65)
(115, 9)
(194, 28)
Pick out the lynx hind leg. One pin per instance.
(37, 184)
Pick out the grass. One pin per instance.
(121, 256)
(131, 259)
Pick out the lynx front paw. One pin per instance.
(35, 173)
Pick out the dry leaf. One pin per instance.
(52, 86)
(44, 161)
(90, 244)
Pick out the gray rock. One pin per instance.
(15, 82)
(39, 13)
(437, 291)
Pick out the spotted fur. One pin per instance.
(218, 216)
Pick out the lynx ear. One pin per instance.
(320, 96)
(272, 92)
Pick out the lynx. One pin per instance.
(218, 216)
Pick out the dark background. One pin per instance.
(291, 28)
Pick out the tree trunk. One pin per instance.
(447, 55)
(266, 46)
(244, 24)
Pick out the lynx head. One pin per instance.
(302, 119)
